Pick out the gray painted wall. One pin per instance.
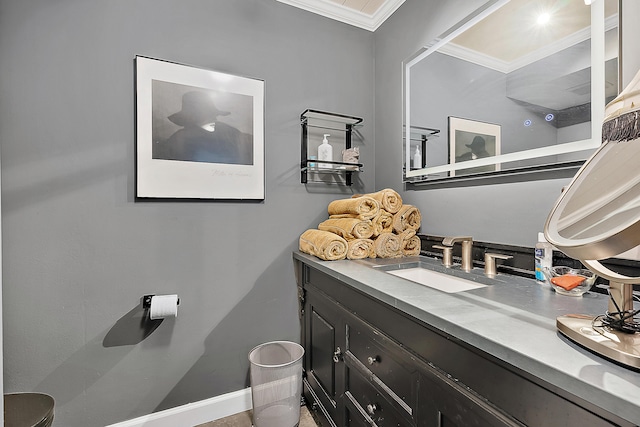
(79, 252)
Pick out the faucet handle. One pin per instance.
(490, 263)
(447, 254)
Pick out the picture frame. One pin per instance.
(199, 133)
(473, 140)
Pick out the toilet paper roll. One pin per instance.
(163, 306)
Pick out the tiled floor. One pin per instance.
(243, 419)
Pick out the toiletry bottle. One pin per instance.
(417, 158)
(325, 152)
(543, 258)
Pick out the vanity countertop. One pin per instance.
(512, 319)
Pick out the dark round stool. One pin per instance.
(28, 410)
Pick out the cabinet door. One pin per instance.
(444, 402)
(324, 335)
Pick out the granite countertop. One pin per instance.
(513, 319)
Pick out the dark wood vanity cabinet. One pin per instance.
(324, 336)
(368, 364)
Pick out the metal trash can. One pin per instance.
(276, 383)
(28, 410)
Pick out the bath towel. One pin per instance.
(389, 199)
(382, 223)
(410, 243)
(323, 244)
(359, 248)
(407, 218)
(361, 207)
(388, 245)
(349, 228)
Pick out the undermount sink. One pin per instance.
(417, 272)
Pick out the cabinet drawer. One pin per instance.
(369, 406)
(386, 360)
(355, 418)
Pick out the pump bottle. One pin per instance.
(325, 152)
(543, 258)
(417, 158)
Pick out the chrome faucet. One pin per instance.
(467, 245)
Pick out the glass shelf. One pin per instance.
(314, 123)
(419, 137)
(312, 166)
(318, 118)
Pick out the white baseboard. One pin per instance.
(195, 413)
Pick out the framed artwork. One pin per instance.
(199, 133)
(471, 140)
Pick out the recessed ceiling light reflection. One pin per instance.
(543, 18)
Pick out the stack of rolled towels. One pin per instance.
(374, 225)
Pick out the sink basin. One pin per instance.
(416, 272)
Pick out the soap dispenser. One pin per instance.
(543, 258)
(325, 152)
(417, 158)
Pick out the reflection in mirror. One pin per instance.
(518, 84)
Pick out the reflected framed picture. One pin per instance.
(199, 133)
(472, 140)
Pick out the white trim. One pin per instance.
(384, 12)
(496, 64)
(347, 15)
(195, 413)
(502, 66)
(470, 22)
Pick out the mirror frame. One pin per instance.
(558, 170)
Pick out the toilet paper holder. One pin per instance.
(146, 301)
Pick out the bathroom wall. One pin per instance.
(510, 213)
(79, 251)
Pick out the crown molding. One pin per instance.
(502, 66)
(347, 15)
(475, 57)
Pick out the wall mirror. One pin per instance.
(518, 85)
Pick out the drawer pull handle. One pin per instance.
(373, 359)
(372, 408)
(337, 355)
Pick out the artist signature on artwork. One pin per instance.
(219, 172)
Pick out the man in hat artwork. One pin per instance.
(478, 150)
(203, 138)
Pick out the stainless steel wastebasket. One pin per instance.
(276, 383)
(28, 410)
